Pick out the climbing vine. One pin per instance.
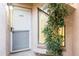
(53, 40)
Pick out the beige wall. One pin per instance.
(76, 30)
(68, 36)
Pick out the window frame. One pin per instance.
(40, 10)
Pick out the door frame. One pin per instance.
(30, 37)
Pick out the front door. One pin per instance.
(21, 29)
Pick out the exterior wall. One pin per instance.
(68, 35)
(3, 28)
(34, 28)
(76, 30)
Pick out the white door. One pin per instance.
(21, 29)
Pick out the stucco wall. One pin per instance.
(76, 30)
(3, 35)
(68, 36)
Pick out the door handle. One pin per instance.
(12, 29)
